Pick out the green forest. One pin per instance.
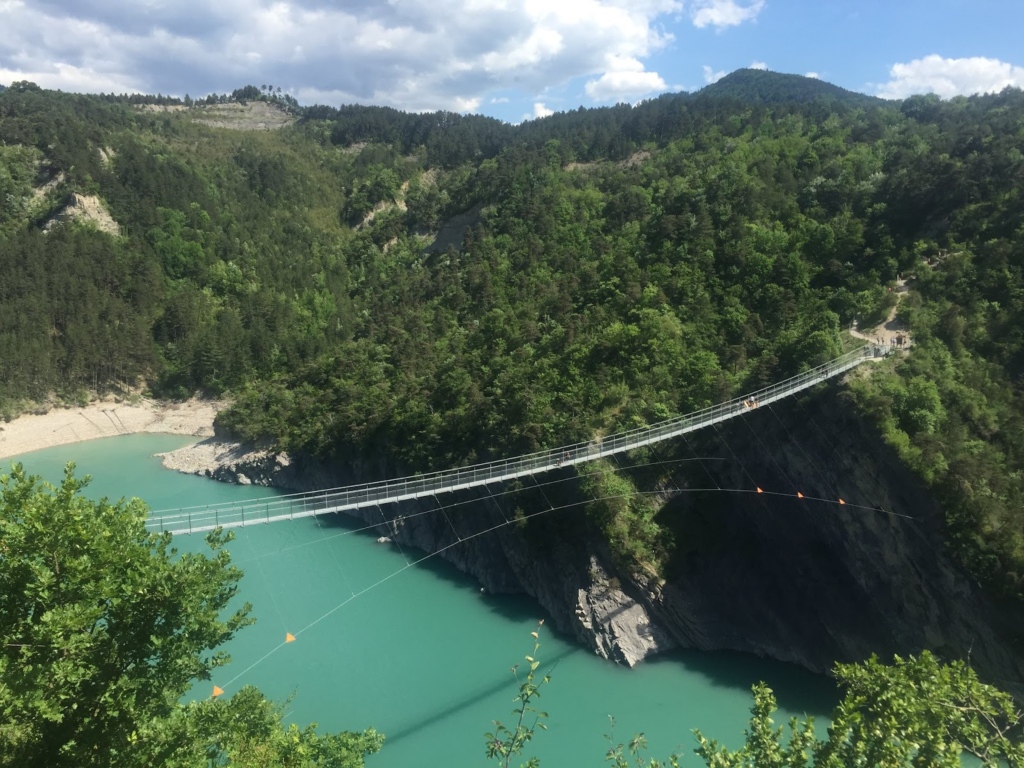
(439, 289)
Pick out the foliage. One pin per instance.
(620, 755)
(917, 712)
(17, 174)
(625, 518)
(754, 86)
(505, 743)
(106, 627)
(246, 730)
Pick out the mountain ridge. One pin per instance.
(757, 86)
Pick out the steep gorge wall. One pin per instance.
(796, 580)
(815, 582)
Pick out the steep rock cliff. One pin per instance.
(814, 581)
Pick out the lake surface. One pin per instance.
(424, 657)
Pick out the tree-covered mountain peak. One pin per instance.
(759, 86)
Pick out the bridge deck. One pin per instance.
(272, 509)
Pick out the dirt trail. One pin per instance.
(891, 332)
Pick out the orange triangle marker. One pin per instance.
(759, 490)
(799, 495)
(217, 691)
(841, 501)
(289, 637)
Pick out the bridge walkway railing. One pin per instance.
(289, 507)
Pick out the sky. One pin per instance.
(511, 59)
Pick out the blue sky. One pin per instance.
(513, 59)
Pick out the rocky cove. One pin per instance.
(797, 580)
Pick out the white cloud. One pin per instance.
(710, 76)
(467, 105)
(499, 100)
(67, 77)
(813, 75)
(950, 77)
(723, 13)
(758, 65)
(624, 78)
(412, 54)
(539, 110)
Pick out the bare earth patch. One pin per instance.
(254, 116)
(208, 456)
(85, 208)
(47, 187)
(106, 418)
(637, 158)
(452, 231)
(384, 205)
(161, 107)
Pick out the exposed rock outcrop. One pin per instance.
(614, 625)
(251, 116)
(85, 208)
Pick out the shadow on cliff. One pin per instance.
(441, 712)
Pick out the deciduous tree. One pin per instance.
(106, 626)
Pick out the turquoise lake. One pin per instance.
(424, 657)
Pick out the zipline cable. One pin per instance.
(289, 637)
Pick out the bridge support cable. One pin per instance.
(200, 519)
(542, 493)
(711, 477)
(831, 487)
(445, 513)
(496, 502)
(757, 488)
(844, 456)
(292, 637)
(771, 454)
(394, 522)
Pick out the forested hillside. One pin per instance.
(612, 267)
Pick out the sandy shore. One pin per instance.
(106, 418)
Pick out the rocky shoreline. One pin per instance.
(228, 462)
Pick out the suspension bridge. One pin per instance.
(290, 507)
